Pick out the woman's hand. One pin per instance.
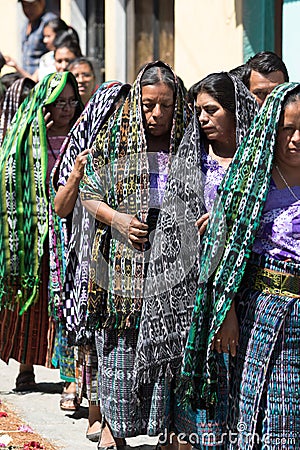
(227, 338)
(134, 231)
(201, 223)
(47, 118)
(80, 163)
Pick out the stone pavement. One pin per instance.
(40, 410)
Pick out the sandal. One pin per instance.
(25, 382)
(110, 446)
(69, 401)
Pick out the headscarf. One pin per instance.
(172, 277)
(12, 100)
(69, 301)
(24, 196)
(243, 193)
(118, 174)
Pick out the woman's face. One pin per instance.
(85, 79)
(49, 36)
(63, 109)
(216, 122)
(63, 57)
(158, 108)
(288, 138)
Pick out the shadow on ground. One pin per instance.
(44, 388)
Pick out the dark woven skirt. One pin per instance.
(265, 395)
(125, 413)
(195, 426)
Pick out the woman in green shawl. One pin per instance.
(28, 154)
(247, 303)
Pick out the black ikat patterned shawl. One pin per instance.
(173, 272)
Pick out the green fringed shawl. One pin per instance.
(23, 196)
(226, 248)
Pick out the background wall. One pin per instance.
(11, 23)
(291, 38)
(208, 37)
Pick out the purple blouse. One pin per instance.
(279, 232)
(159, 168)
(212, 174)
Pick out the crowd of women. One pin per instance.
(150, 249)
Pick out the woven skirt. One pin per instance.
(86, 371)
(63, 354)
(126, 415)
(195, 427)
(29, 338)
(264, 409)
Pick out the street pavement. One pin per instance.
(40, 410)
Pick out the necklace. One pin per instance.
(285, 182)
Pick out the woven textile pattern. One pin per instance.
(23, 195)
(118, 174)
(242, 196)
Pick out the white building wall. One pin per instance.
(208, 37)
(11, 24)
(115, 40)
(291, 38)
(74, 13)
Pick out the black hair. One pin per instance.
(9, 78)
(220, 87)
(57, 24)
(293, 96)
(242, 72)
(2, 93)
(2, 61)
(68, 39)
(266, 63)
(26, 88)
(82, 60)
(158, 73)
(70, 44)
(191, 95)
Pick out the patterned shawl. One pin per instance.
(236, 215)
(172, 277)
(23, 194)
(70, 301)
(118, 174)
(12, 100)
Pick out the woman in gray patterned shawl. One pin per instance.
(225, 109)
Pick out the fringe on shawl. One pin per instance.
(114, 320)
(13, 289)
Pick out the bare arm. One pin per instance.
(66, 195)
(12, 63)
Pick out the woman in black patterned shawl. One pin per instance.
(123, 187)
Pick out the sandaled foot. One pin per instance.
(69, 401)
(120, 445)
(25, 382)
(107, 441)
